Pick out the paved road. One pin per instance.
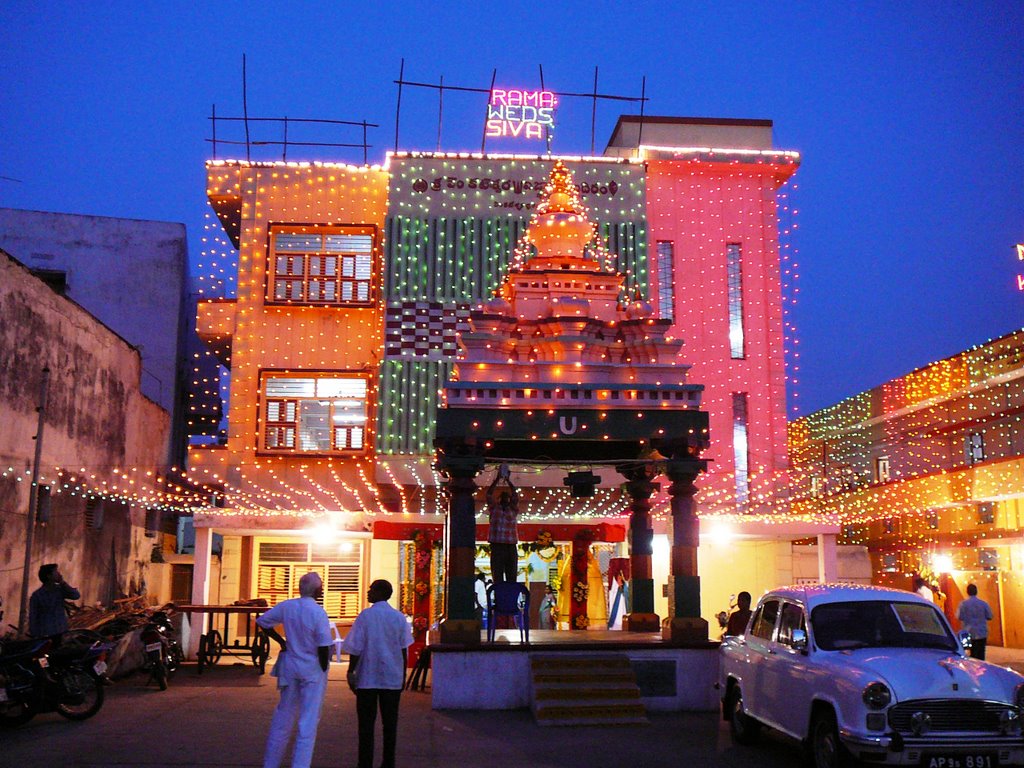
(221, 718)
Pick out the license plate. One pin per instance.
(44, 662)
(99, 667)
(961, 760)
(154, 647)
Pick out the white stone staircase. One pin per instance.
(585, 689)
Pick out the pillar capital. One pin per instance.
(460, 466)
(685, 469)
(639, 480)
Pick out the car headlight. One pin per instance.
(877, 695)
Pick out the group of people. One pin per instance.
(377, 645)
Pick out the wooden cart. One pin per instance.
(214, 644)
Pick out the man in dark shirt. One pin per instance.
(46, 614)
(738, 620)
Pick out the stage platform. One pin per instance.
(497, 675)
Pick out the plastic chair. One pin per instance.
(337, 642)
(503, 599)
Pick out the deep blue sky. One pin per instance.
(909, 116)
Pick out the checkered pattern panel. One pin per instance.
(425, 330)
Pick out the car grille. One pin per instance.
(949, 715)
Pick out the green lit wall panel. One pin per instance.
(450, 233)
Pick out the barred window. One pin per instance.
(321, 265)
(740, 448)
(734, 258)
(316, 414)
(666, 280)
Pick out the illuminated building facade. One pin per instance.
(927, 470)
(713, 200)
(354, 284)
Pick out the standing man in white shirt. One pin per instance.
(377, 644)
(975, 614)
(301, 671)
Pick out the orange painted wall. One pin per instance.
(307, 338)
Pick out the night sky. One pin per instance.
(909, 117)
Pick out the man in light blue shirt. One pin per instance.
(301, 671)
(378, 643)
(975, 615)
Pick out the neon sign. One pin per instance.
(1020, 257)
(520, 114)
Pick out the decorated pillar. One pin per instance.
(423, 554)
(460, 624)
(579, 578)
(641, 616)
(684, 623)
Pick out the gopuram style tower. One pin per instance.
(562, 367)
(561, 330)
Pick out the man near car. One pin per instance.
(46, 614)
(377, 645)
(738, 619)
(975, 614)
(300, 669)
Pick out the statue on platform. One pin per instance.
(581, 597)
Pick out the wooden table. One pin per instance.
(213, 644)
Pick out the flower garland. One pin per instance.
(544, 547)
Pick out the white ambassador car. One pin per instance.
(869, 674)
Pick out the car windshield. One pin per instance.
(878, 623)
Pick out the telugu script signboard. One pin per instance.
(434, 186)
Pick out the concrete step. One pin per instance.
(587, 693)
(585, 689)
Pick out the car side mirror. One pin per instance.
(965, 639)
(799, 641)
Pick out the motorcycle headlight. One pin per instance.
(877, 695)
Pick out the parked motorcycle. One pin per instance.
(163, 652)
(35, 677)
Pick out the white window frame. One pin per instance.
(322, 402)
(320, 265)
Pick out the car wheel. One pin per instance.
(742, 727)
(827, 751)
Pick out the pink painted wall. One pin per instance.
(702, 206)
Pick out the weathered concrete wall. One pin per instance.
(129, 274)
(96, 422)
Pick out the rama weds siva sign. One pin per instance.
(514, 113)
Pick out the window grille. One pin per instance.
(321, 414)
(94, 513)
(321, 266)
(986, 513)
(666, 279)
(282, 564)
(284, 552)
(974, 448)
